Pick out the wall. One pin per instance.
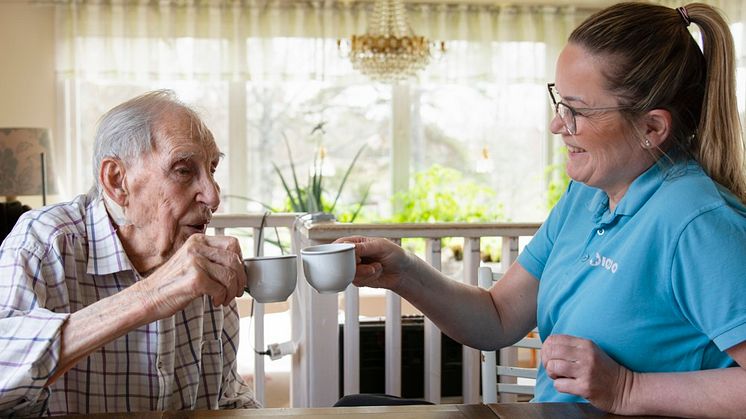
(27, 87)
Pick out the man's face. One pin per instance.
(171, 191)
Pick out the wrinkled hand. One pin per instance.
(204, 265)
(380, 262)
(578, 366)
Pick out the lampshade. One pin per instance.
(25, 163)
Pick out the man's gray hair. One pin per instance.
(129, 130)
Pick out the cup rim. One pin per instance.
(276, 257)
(327, 249)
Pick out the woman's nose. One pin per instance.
(556, 126)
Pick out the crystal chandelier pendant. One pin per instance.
(390, 51)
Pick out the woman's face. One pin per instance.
(604, 152)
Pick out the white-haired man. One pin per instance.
(118, 301)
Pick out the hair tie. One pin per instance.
(684, 15)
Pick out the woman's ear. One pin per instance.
(657, 128)
(112, 177)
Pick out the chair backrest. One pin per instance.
(10, 212)
(501, 374)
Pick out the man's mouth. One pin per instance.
(199, 228)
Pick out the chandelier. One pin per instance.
(389, 51)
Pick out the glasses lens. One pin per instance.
(567, 117)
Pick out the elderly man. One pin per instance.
(118, 301)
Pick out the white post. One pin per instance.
(392, 332)
(259, 375)
(471, 356)
(258, 317)
(509, 355)
(298, 306)
(432, 334)
(489, 359)
(320, 353)
(352, 341)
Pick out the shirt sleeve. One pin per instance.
(236, 394)
(708, 275)
(534, 257)
(29, 333)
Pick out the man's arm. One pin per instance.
(205, 265)
(29, 333)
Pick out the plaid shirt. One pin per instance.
(64, 257)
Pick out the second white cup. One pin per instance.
(329, 268)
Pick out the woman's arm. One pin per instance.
(713, 393)
(579, 367)
(471, 315)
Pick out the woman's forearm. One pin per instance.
(716, 393)
(464, 312)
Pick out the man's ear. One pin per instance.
(657, 128)
(113, 179)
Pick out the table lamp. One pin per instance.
(25, 166)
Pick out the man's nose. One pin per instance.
(209, 193)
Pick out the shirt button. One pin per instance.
(159, 364)
(600, 231)
(584, 258)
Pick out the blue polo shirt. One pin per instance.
(659, 283)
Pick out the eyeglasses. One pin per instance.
(568, 114)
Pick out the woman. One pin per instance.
(637, 278)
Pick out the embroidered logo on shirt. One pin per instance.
(604, 262)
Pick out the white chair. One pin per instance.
(500, 377)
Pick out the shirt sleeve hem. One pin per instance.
(731, 337)
(530, 263)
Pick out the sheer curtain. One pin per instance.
(258, 69)
(237, 39)
(265, 71)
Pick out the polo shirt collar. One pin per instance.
(105, 251)
(637, 195)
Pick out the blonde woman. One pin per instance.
(637, 278)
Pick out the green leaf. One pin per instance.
(292, 169)
(293, 203)
(344, 178)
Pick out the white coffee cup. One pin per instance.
(271, 278)
(329, 268)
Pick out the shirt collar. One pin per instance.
(105, 252)
(638, 193)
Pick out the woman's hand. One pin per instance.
(380, 262)
(578, 366)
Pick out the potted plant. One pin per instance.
(311, 196)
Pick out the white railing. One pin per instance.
(315, 366)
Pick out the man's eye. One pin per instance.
(183, 171)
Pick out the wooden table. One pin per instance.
(440, 411)
(553, 410)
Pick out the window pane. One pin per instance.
(310, 115)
